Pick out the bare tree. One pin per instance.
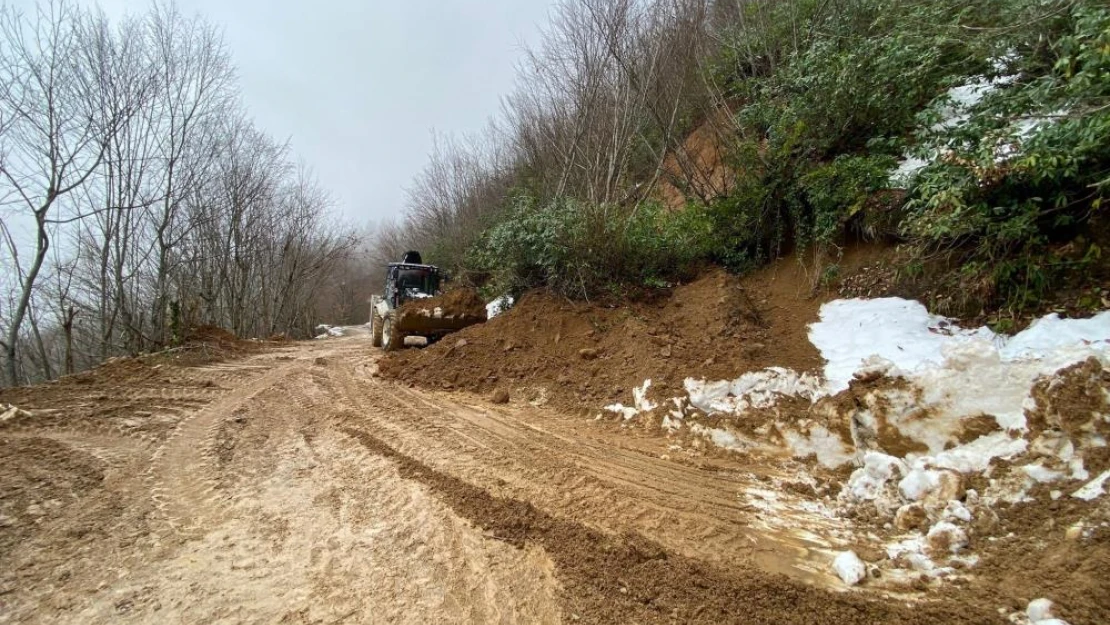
(137, 201)
(55, 142)
(195, 77)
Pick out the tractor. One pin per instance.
(391, 322)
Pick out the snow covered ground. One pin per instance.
(325, 331)
(918, 405)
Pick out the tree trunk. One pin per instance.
(41, 245)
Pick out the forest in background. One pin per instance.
(138, 200)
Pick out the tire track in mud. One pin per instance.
(313, 527)
(577, 471)
(628, 578)
(182, 481)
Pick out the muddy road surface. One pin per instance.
(293, 485)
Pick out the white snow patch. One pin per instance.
(853, 332)
(964, 372)
(627, 412)
(673, 420)
(956, 511)
(1042, 474)
(902, 175)
(1042, 612)
(1094, 489)
(1051, 333)
(829, 450)
(918, 483)
(758, 389)
(959, 102)
(720, 437)
(325, 331)
(867, 482)
(640, 399)
(640, 403)
(976, 456)
(850, 568)
(499, 305)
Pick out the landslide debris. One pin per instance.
(578, 353)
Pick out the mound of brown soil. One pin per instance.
(580, 355)
(211, 334)
(459, 305)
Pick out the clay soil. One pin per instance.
(578, 355)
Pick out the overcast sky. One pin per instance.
(358, 86)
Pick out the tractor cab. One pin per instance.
(409, 281)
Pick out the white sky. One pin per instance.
(358, 86)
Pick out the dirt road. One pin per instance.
(295, 486)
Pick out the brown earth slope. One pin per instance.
(579, 355)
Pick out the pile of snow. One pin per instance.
(917, 382)
(499, 305)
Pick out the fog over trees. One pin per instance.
(138, 200)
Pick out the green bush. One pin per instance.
(1028, 167)
(584, 250)
(817, 137)
(789, 203)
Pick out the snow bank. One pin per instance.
(918, 404)
(961, 373)
(953, 374)
(898, 331)
(498, 306)
(949, 375)
(326, 331)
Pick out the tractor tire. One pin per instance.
(376, 329)
(391, 341)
